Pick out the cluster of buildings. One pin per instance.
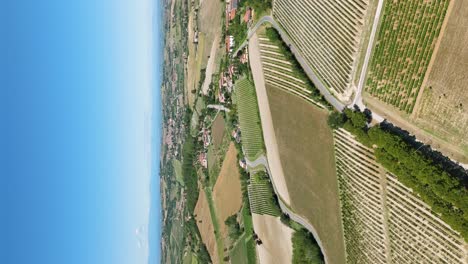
(232, 7)
(205, 137)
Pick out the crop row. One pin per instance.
(280, 72)
(360, 195)
(377, 207)
(261, 196)
(406, 40)
(327, 34)
(249, 119)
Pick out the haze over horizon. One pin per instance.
(80, 111)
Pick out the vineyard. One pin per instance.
(383, 220)
(249, 119)
(411, 222)
(328, 35)
(280, 71)
(261, 196)
(361, 200)
(408, 34)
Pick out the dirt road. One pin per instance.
(267, 123)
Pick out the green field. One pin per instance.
(407, 37)
(261, 195)
(248, 230)
(239, 252)
(177, 165)
(249, 119)
(214, 220)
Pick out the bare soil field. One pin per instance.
(205, 225)
(227, 193)
(269, 137)
(209, 22)
(218, 130)
(443, 106)
(276, 238)
(305, 145)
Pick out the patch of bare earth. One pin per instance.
(227, 192)
(276, 247)
(443, 104)
(218, 130)
(305, 145)
(203, 218)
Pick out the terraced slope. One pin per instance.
(406, 40)
(328, 34)
(279, 72)
(249, 119)
(384, 221)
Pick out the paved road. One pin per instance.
(325, 92)
(358, 98)
(219, 107)
(262, 161)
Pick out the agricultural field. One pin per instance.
(227, 194)
(305, 146)
(178, 171)
(276, 238)
(249, 119)
(205, 225)
(442, 108)
(281, 71)
(329, 35)
(218, 130)
(407, 37)
(261, 195)
(385, 221)
(202, 16)
(362, 211)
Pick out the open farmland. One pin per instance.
(227, 190)
(205, 225)
(362, 211)
(407, 37)
(218, 130)
(329, 35)
(305, 146)
(443, 106)
(249, 119)
(276, 238)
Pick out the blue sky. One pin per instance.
(78, 115)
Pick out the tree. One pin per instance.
(336, 120)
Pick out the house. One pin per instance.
(202, 159)
(248, 15)
(229, 44)
(206, 138)
(245, 56)
(221, 97)
(243, 164)
(236, 134)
